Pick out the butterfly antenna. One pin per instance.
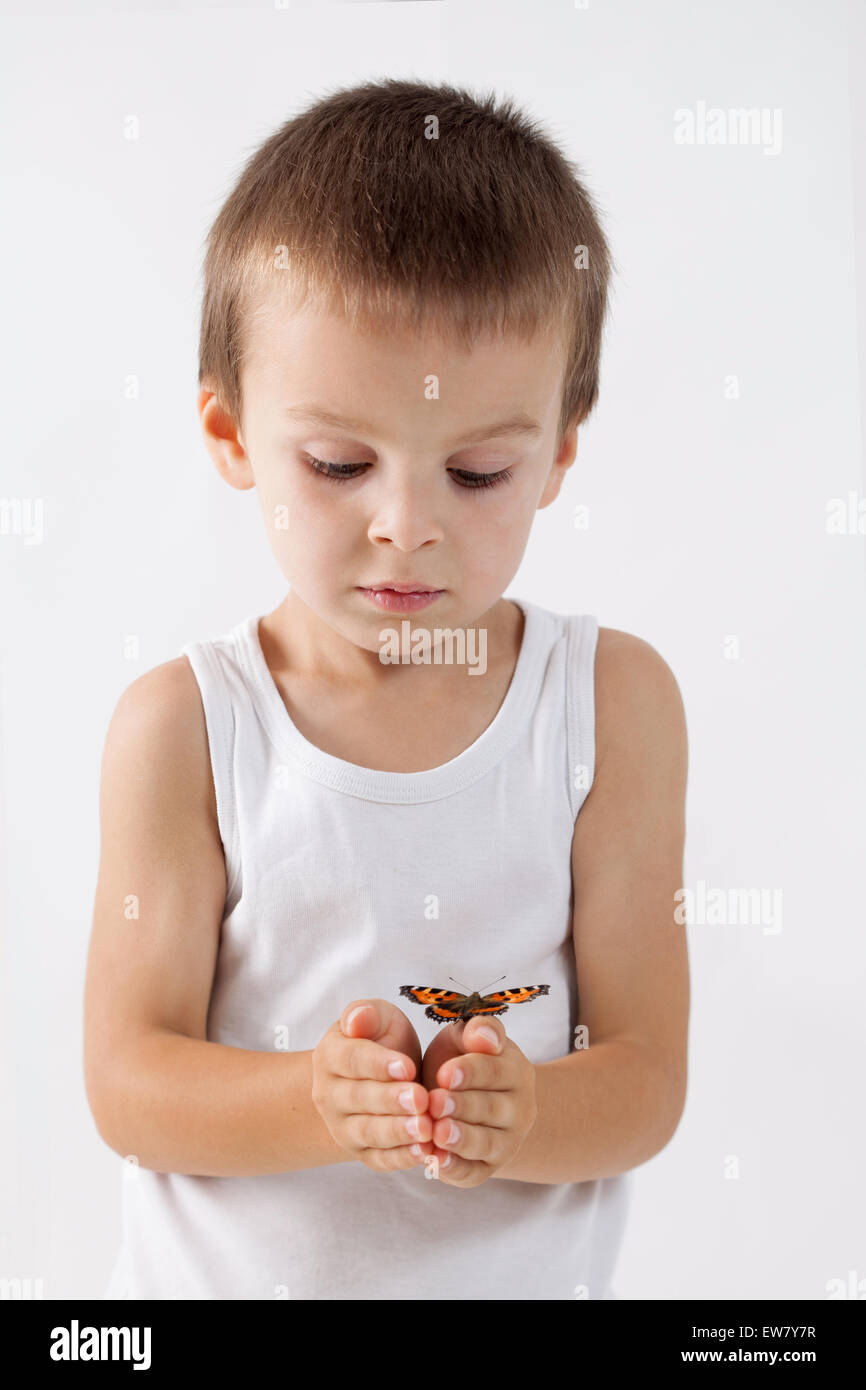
(462, 986)
(492, 982)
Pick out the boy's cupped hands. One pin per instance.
(463, 1109)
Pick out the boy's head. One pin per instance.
(400, 272)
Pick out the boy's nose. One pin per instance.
(407, 517)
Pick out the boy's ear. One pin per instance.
(223, 442)
(565, 456)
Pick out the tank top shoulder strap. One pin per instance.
(215, 668)
(582, 640)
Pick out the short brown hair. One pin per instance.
(476, 230)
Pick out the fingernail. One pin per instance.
(407, 1100)
(356, 1011)
(444, 1162)
(413, 1128)
(448, 1106)
(489, 1034)
(398, 1069)
(453, 1134)
(456, 1078)
(415, 1150)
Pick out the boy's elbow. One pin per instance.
(102, 1099)
(662, 1085)
(98, 1100)
(675, 1090)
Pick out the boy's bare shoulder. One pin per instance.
(638, 705)
(623, 653)
(164, 702)
(158, 735)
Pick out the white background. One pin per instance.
(707, 519)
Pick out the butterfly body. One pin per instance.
(447, 1006)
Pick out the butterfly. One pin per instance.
(447, 1006)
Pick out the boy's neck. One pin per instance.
(296, 641)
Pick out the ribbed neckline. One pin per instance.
(375, 785)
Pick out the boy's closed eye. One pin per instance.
(343, 472)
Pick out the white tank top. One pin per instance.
(344, 883)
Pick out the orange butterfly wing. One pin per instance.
(427, 994)
(438, 1001)
(445, 1005)
(493, 1002)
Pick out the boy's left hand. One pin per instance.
(494, 1101)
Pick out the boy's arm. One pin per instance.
(615, 1104)
(156, 1087)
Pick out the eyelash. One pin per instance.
(343, 473)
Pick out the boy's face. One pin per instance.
(422, 418)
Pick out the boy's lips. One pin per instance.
(402, 588)
(400, 598)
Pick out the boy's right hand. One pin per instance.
(369, 1109)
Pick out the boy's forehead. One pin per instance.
(280, 333)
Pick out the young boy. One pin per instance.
(301, 838)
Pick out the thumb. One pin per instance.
(383, 1023)
(361, 1019)
(484, 1035)
(447, 1044)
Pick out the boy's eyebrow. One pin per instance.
(516, 424)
